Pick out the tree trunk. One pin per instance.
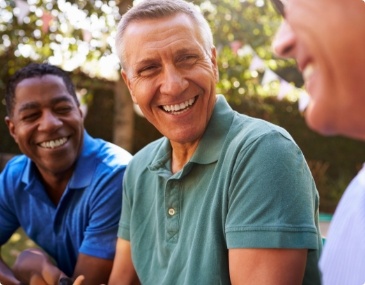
(123, 134)
(123, 117)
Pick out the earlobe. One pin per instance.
(128, 83)
(11, 128)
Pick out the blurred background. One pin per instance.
(78, 36)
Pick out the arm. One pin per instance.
(95, 270)
(123, 272)
(267, 266)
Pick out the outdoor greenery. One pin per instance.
(78, 36)
(17, 243)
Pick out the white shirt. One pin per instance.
(343, 258)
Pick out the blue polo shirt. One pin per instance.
(86, 218)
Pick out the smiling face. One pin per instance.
(47, 124)
(171, 76)
(327, 38)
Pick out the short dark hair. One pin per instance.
(35, 70)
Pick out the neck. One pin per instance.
(181, 154)
(55, 184)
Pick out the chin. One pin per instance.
(320, 124)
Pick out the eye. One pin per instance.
(187, 60)
(29, 117)
(148, 70)
(63, 108)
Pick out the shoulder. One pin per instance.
(105, 152)
(111, 154)
(152, 152)
(15, 166)
(11, 175)
(248, 132)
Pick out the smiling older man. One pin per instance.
(222, 198)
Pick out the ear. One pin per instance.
(11, 128)
(82, 111)
(213, 59)
(129, 85)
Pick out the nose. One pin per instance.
(49, 122)
(173, 81)
(284, 41)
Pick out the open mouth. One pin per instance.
(54, 143)
(179, 108)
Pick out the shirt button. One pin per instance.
(171, 211)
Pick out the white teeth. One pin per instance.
(54, 143)
(307, 72)
(179, 107)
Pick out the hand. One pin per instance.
(68, 281)
(34, 267)
(79, 280)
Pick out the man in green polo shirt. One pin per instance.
(222, 198)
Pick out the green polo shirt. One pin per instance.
(246, 186)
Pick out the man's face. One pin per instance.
(47, 124)
(171, 76)
(327, 38)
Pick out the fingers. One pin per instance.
(79, 280)
(36, 279)
(51, 273)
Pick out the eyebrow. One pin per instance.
(179, 52)
(34, 105)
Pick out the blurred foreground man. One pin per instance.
(327, 38)
(65, 191)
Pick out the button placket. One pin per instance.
(172, 202)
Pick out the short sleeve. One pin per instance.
(101, 233)
(273, 198)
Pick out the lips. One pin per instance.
(178, 108)
(53, 143)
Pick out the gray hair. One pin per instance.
(157, 9)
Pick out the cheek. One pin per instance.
(22, 139)
(18, 133)
(141, 92)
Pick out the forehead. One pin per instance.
(155, 35)
(40, 89)
(48, 80)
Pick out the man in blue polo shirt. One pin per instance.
(65, 190)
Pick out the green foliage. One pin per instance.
(68, 34)
(17, 243)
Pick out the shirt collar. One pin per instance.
(209, 148)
